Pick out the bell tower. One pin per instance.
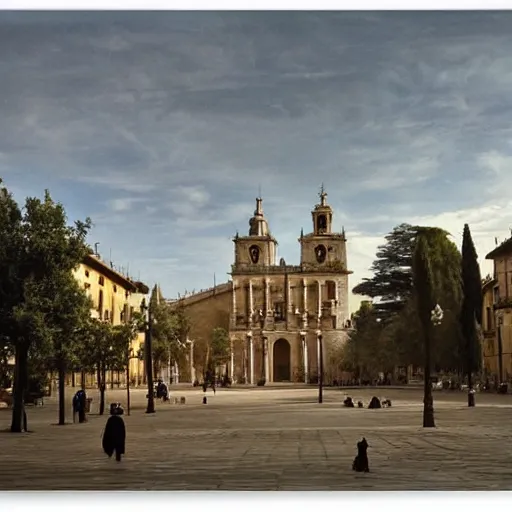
(322, 215)
(322, 247)
(259, 247)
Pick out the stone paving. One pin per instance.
(268, 439)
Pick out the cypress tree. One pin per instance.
(423, 288)
(471, 311)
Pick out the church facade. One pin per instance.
(277, 315)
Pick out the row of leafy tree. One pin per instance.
(389, 331)
(45, 319)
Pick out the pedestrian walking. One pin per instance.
(79, 402)
(114, 436)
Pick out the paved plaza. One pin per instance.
(268, 439)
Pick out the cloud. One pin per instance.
(163, 126)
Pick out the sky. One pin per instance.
(163, 127)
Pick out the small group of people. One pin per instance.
(114, 435)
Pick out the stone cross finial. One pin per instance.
(323, 195)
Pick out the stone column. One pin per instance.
(232, 361)
(305, 357)
(288, 295)
(267, 295)
(305, 294)
(251, 359)
(267, 366)
(233, 307)
(319, 301)
(245, 359)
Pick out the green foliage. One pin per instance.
(392, 287)
(370, 348)
(391, 283)
(423, 283)
(471, 312)
(170, 329)
(425, 303)
(220, 350)
(103, 346)
(38, 252)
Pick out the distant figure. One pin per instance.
(79, 401)
(162, 391)
(114, 436)
(209, 380)
(374, 403)
(360, 463)
(348, 402)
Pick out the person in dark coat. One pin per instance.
(348, 402)
(162, 391)
(79, 401)
(374, 403)
(114, 436)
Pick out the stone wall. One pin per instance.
(206, 311)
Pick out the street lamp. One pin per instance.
(436, 315)
(130, 357)
(149, 355)
(321, 367)
(110, 350)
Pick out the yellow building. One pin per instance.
(489, 346)
(498, 321)
(115, 299)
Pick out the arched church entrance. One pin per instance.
(282, 361)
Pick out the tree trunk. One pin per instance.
(18, 423)
(428, 401)
(82, 380)
(62, 391)
(101, 384)
(50, 386)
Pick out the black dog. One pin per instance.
(360, 463)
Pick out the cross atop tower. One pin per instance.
(322, 195)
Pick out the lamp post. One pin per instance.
(130, 357)
(321, 367)
(436, 316)
(149, 356)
